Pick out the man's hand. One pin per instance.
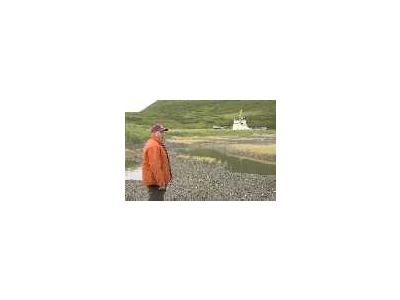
(162, 188)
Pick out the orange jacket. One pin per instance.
(156, 169)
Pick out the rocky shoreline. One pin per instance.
(199, 180)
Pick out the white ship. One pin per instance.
(239, 122)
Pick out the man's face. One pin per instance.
(160, 134)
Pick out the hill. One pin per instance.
(202, 114)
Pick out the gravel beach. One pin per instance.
(199, 180)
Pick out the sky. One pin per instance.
(138, 105)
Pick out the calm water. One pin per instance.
(133, 170)
(133, 174)
(234, 164)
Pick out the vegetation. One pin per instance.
(265, 153)
(216, 133)
(195, 118)
(203, 114)
(200, 158)
(135, 134)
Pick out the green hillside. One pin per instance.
(203, 114)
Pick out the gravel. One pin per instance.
(199, 180)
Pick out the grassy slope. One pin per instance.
(204, 113)
(188, 117)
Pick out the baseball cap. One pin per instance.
(158, 127)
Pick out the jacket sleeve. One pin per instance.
(154, 155)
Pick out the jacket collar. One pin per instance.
(157, 139)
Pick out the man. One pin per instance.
(156, 168)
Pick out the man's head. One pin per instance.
(158, 130)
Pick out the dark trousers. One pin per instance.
(155, 194)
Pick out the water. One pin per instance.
(234, 164)
(133, 174)
(133, 170)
